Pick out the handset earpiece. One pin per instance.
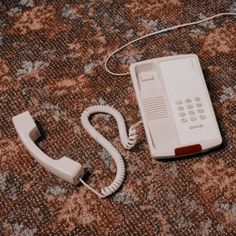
(64, 168)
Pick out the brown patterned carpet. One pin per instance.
(51, 64)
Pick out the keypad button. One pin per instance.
(184, 120)
(179, 102)
(197, 99)
(189, 106)
(182, 114)
(191, 113)
(200, 111)
(180, 108)
(199, 105)
(193, 118)
(202, 117)
(188, 100)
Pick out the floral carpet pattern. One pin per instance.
(51, 63)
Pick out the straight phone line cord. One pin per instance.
(159, 32)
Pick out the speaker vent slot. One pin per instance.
(155, 108)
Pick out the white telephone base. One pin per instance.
(175, 106)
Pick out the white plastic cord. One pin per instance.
(159, 32)
(91, 189)
(128, 141)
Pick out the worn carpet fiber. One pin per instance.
(51, 64)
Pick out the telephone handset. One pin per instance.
(65, 168)
(175, 106)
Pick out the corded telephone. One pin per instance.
(175, 106)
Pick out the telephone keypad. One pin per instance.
(194, 108)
